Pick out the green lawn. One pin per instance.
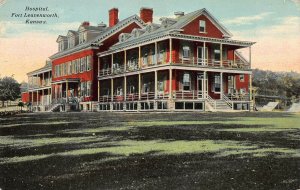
(150, 150)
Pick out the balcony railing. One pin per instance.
(213, 63)
(194, 62)
(104, 72)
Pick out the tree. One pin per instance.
(9, 89)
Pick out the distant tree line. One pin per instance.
(282, 84)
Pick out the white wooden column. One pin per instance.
(221, 55)
(98, 67)
(32, 97)
(43, 81)
(125, 60)
(155, 84)
(204, 85)
(139, 57)
(125, 88)
(204, 53)
(234, 57)
(170, 51)
(139, 85)
(112, 89)
(67, 86)
(42, 97)
(170, 83)
(221, 86)
(112, 63)
(155, 50)
(37, 97)
(98, 90)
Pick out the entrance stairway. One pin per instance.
(55, 108)
(218, 105)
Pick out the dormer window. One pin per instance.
(71, 42)
(202, 26)
(61, 46)
(82, 37)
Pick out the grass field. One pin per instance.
(150, 151)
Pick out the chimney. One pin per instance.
(113, 16)
(85, 23)
(146, 14)
(179, 14)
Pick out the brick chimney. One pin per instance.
(146, 14)
(113, 16)
(85, 23)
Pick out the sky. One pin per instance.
(273, 24)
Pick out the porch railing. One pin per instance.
(193, 94)
(238, 97)
(227, 100)
(211, 102)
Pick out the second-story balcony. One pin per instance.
(182, 53)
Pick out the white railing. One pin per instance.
(185, 94)
(118, 70)
(133, 67)
(163, 95)
(104, 72)
(147, 96)
(227, 100)
(132, 97)
(211, 102)
(191, 61)
(106, 98)
(238, 97)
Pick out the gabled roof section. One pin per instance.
(193, 15)
(46, 68)
(173, 25)
(106, 33)
(61, 38)
(72, 32)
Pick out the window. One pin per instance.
(230, 84)
(202, 26)
(217, 84)
(65, 68)
(61, 46)
(88, 88)
(88, 63)
(78, 64)
(131, 89)
(82, 64)
(106, 92)
(71, 42)
(217, 54)
(70, 68)
(145, 59)
(146, 88)
(119, 91)
(83, 60)
(186, 81)
(160, 86)
(186, 52)
(242, 78)
(82, 37)
(161, 55)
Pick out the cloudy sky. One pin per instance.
(273, 24)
